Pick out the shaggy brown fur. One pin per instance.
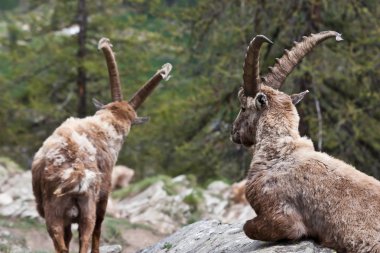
(296, 191)
(72, 171)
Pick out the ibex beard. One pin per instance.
(296, 191)
(71, 172)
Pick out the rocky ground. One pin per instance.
(140, 217)
(139, 214)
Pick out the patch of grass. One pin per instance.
(10, 242)
(113, 234)
(112, 229)
(124, 223)
(9, 165)
(140, 186)
(194, 200)
(192, 180)
(169, 187)
(5, 248)
(194, 217)
(21, 223)
(167, 246)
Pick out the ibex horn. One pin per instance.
(139, 97)
(285, 65)
(251, 70)
(113, 72)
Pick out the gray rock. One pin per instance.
(166, 213)
(110, 249)
(213, 236)
(155, 208)
(16, 198)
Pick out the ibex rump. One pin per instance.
(296, 191)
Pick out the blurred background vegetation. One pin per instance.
(50, 69)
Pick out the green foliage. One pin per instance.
(167, 246)
(113, 229)
(5, 248)
(23, 223)
(194, 200)
(9, 165)
(192, 113)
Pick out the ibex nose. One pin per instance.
(235, 136)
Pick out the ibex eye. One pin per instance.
(243, 109)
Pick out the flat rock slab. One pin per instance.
(213, 236)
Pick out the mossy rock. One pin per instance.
(7, 166)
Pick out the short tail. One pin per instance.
(76, 181)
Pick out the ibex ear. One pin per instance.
(98, 105)
(261, 101)
(296, 98)
(140, 120)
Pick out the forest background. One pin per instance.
(50, 69)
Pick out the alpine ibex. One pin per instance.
(72, 170)
(296, 191)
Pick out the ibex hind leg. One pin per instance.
(100, 212)
(281, 228)
(56, 224)
(67, 236)
(55, 229)
(87, 206)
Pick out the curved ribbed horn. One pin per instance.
(113, 72)
(285, 65)
(139, 97)
(251, 68)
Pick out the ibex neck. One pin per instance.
(273, 144)
(114, 131)
(120, 124)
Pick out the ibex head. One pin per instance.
(119, 107)
(265, 109)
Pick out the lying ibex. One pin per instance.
(72, 170)
(296, 191)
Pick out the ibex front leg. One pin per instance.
(275, 227)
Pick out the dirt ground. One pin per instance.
(34, 236)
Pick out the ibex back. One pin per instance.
(296, 191)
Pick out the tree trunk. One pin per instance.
(81, 54)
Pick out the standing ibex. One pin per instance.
(296, 191)
(72, 170)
